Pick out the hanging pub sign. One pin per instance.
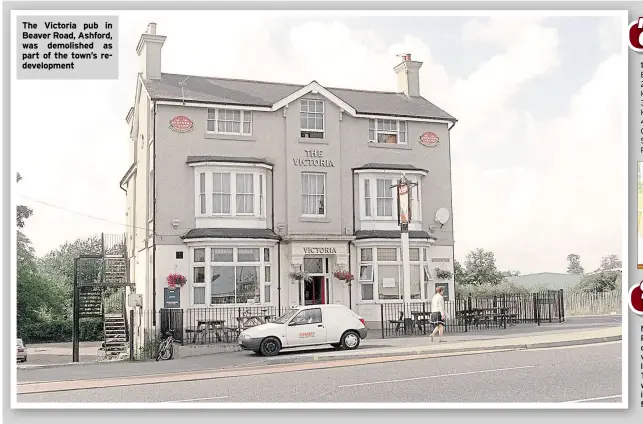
(403, 202)
(181, 124)
(429, 139)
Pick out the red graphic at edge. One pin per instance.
(636, 299)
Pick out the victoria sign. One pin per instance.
(429, 139)
(181, 124)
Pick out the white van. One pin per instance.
(312, 325)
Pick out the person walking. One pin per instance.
(438, 314)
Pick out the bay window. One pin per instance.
(379, 197)
(230, 192)
(234, 275)
(381, 274)
(387, 131)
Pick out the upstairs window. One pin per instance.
(386, 131)
(229, 121)
(311, 117)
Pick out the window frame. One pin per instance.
(415, 194)
(245, 117)
(375, 263)
(324, 195)
(401, 127)
(315, 114)
(259, 207)
(208, 264)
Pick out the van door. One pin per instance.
(306, 328)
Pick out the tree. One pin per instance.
(36, 299)
(574, 267)
(610, 262)
(459, 275)
(605, 281)
(480, 268)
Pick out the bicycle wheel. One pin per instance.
(161, 352)
(168, 352)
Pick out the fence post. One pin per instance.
(131, 335)
(562, 305)
(504, 311)
(424, 318)
(382, 318)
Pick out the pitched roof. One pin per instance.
(197, 89)
(391, 234)
(235, 159)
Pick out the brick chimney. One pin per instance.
(408, 76)
(149, 50)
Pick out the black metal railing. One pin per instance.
(470, 313)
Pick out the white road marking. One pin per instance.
(592, 399)
(197, 399)
(437, 376)
(580, 346)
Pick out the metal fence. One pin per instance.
(199, 326)
(220, 327)
(473, 313)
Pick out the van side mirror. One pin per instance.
(291, 323)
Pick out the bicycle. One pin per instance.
(166, 347)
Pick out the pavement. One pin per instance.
(60, 354)
(588, 373)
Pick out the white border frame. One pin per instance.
(623, 14)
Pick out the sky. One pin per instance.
(536, 154)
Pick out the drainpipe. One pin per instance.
(154, 214)
(353, 194)
(272, 207)
(350, 283)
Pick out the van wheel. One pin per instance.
(270, 346)
(350, 340)
(336, 345)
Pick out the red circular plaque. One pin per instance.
(429, 139)
(181, 124)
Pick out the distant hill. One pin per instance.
(547, 280)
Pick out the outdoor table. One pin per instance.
(421, 318)
(208, 325)
(248, 321)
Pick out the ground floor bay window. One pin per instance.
(223, 275)
(381, 274)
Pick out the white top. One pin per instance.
(437, 303)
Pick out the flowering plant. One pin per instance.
(344, 276)
(299, 276)
(443, 274)
(174, 280)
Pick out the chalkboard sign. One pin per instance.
(172, 297)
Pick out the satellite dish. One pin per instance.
(442, 216)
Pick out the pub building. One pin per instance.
(238, 185)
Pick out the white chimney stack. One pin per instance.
(408, 76)
(149, 50)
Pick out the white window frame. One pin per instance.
(254, 194)
(415, 193)
(324, 196)
(392, 198)
(215, 115)
(302, 112)
(259, 201)
(261, 264)
(193, 284)
(422, 264)
(377, 127)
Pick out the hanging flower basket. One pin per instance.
(443, 274)
(174, 280)
(299, 276)
(344, 276)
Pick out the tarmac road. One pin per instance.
(589, 373)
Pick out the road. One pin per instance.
(589, 373)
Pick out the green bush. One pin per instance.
(60, 331)
(489, 290)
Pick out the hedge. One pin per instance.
(59, 331)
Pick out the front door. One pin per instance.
(306, 328)
(315, 290)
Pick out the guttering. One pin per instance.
(128, 175)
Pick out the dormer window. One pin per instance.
(229, 121)
(387, 131)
